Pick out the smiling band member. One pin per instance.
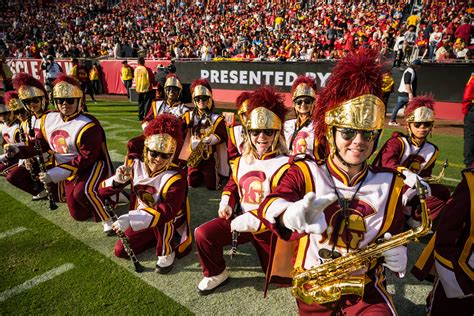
(77, 141)
(9, 132)
(254, 175)
(335, 208)
(161, 210)
(415, 157)
(299, 132)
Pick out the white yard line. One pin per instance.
(12, 232)
(35, 281)
(451, 179)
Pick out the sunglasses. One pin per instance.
(69, 101)
(202, 98)
(30, 101)
(425, 124)
(266, 132)
(349, 134)
(173, 89)
(307, 101)
(156, 154)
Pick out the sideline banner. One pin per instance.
(33, 66)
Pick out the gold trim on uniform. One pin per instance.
(262, 118)
(304, 90)
(173, 82)
(421, 114)
(64, 89)
(163, 143)
(28, 92)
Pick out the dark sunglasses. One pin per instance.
(174, 89)
(32, 100)
(266, 132)
(350, 134)
(69, 101)
(425, 124)
(156, 154)
(307, 101)
(201, 98)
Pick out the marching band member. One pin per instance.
(172, 102)
(254, 174)
(33, 96)
(208, 128)
(9, 130)
(161, 209)
(415, 157)
(450, 253)
(237, 134)
(332, 209)
(299, 132)
(80, 153)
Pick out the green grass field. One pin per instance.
(51, 264)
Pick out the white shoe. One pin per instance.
(209, 284)
(165, 263)
(39, 196)
(108, 227)
(393, 123)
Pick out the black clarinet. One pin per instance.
(42, 167)
(31, 171)
(126, 245)
(233, 249)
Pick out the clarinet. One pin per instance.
(31, 171)
(233, 249)
(42, 166)
(126, 245)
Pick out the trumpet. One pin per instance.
(440, 176)
(327, 282)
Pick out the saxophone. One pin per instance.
(440, 176)
(329, 281)
(201, 152)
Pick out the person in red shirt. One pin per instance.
(468, 111)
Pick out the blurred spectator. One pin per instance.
(94, 78)
(5, 75)
(468, 111)
(464, 31)
(126, 74)
(144, 81)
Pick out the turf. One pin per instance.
(107, 285)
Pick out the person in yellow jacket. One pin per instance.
(144, 82)
(94, 78)
(126, 74)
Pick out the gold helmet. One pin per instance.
(30, 88)
(351, 99)
(266, 110)
(164, 135)
(241, 104)
(67, 87)
(420, 109)
(303, 86)
(201, 88)
(173, 81)
(13, 102)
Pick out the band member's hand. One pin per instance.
(396, 258)
(45, 177)
(122, 174)
(28, 163)
(225, 212)
(121, 224)
(306, 215)
(194, 142)
(245, 223)
(3, 157)
(211, 140)
(11, 150)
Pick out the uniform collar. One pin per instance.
(343, 176)
(70, 117)
(267, 156)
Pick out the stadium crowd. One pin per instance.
(298, 31)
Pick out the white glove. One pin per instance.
(408, 195)
(396, 258)
(3, 157)
(45, 177)
(410, 180)
(194, 142)
(122, 223)
(225, 212)
(305, 215)
(245, 223)
(11, 150)
(122, 174)
(211, 140)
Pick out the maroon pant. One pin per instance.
(346, 306)
(439, 305)
(206, 171)
(20, 177)
(213, 236)
(139, 241)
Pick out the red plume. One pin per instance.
(166, 123)
(10, 95)
(200, 82)
(24, 79)
(241, 99)
(68, 79)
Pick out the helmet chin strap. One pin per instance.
(345, 163)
